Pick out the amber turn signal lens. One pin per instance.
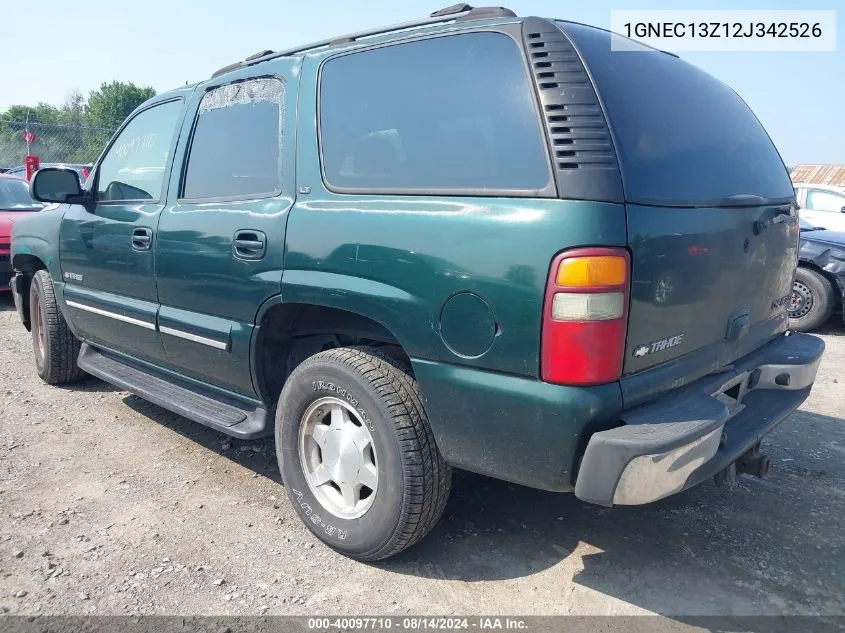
(603, 270)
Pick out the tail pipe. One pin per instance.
(757, 465)
(752, 462)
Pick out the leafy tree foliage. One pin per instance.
(74, 132)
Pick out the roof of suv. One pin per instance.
(449, 17)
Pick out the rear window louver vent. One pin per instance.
(583, 155)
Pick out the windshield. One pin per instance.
(14, 196)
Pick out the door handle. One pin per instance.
(142, 239)
(250, 245)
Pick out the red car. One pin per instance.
(15, 203)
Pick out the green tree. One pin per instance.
(73, 110)
(113, 102)
(74, 132)
(41, 113)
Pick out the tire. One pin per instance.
(378, 396)
(55, 347)
(812, 300)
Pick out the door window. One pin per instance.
(821, 200)
(236, 142)
(133, 168)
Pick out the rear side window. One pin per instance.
(451, 114)
(683, 137)
(235, 147)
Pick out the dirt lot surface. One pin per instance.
(110, 505)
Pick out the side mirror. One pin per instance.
(54, 184)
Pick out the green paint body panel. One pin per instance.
(115, 278)
(515, 428)
(376, 257)
(202, 288)
(36, 238)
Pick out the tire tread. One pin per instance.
(62, 347)
(824, 300)
(427, 477)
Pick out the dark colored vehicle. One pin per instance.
(819, 286)
(15, 203)
(414, 249)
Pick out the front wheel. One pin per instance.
(56, 348)
(357, 455)
(812, 300)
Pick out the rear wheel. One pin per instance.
(56, 348)
(812, 300)
(357, 455)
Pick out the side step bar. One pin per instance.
(238, 418)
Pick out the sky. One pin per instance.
(799, 97)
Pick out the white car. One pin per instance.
(821, 205)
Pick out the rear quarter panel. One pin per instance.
(400, 259)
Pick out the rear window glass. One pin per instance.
(452, 113)
(683, 137)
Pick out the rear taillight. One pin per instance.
(585, 316)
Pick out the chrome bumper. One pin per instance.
(686, 436)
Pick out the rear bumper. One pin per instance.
(680, 439)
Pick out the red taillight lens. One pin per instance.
(585, 321)
(697, 249)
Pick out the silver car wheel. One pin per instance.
(338, 458)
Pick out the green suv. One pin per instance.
(474, 241)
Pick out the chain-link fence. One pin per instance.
(51, 142)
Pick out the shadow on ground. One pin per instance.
(258, 456)
(7, 302)
(693, 553)
(833, 326)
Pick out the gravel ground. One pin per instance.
(110, 505)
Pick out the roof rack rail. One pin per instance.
(457, 12)
(461, 7)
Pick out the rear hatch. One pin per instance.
(709, 205)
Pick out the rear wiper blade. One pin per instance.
(744, 200)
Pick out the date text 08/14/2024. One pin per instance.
(418, 623)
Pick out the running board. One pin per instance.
(224, 413)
